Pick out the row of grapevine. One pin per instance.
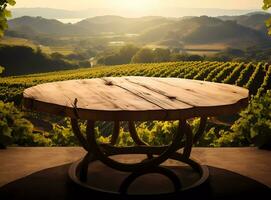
(256, 79)
(266, 83)
(204, 73)
(232, 78)
(224, 73)
(187, 70)
(214, 72)
(245, 75)
(196, 70)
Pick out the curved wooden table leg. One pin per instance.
(134, 135)
(116, 132)
(198, 134)
(200, 131)
(79, 135)
(188, 141)
(82, 169)
(157, 170)
(98, 152)
(136, 138)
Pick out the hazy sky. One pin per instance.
(140, 5)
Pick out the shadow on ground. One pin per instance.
(54, 183)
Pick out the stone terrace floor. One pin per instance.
(18, 162)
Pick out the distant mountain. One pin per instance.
(206, 30)
(96, 25)
(41, 26)
(170, 11)
(118, 24)
(238, 31)
(255, 20)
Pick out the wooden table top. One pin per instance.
(135, 98)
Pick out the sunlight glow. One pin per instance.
(139, 5)
(138, 8)
(136, 5)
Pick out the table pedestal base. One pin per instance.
(198, 175)
(152, 164)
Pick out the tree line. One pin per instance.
(19, 60)
(133, 54)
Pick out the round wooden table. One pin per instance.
(136, 99)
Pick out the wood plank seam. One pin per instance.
(111, 84)
(161, 93)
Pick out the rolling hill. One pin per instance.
(206, 30)
(41, 26)
(119, 24)
(237, 31)
(254, 20)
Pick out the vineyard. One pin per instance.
(255, 77)
(254, 122)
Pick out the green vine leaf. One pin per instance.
(11, 2)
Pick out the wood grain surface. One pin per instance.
(135, 98)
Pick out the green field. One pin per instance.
(18, 42)
(64, 50)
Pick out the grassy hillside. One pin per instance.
(255, 77)
(13, 41)
(17, 42)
